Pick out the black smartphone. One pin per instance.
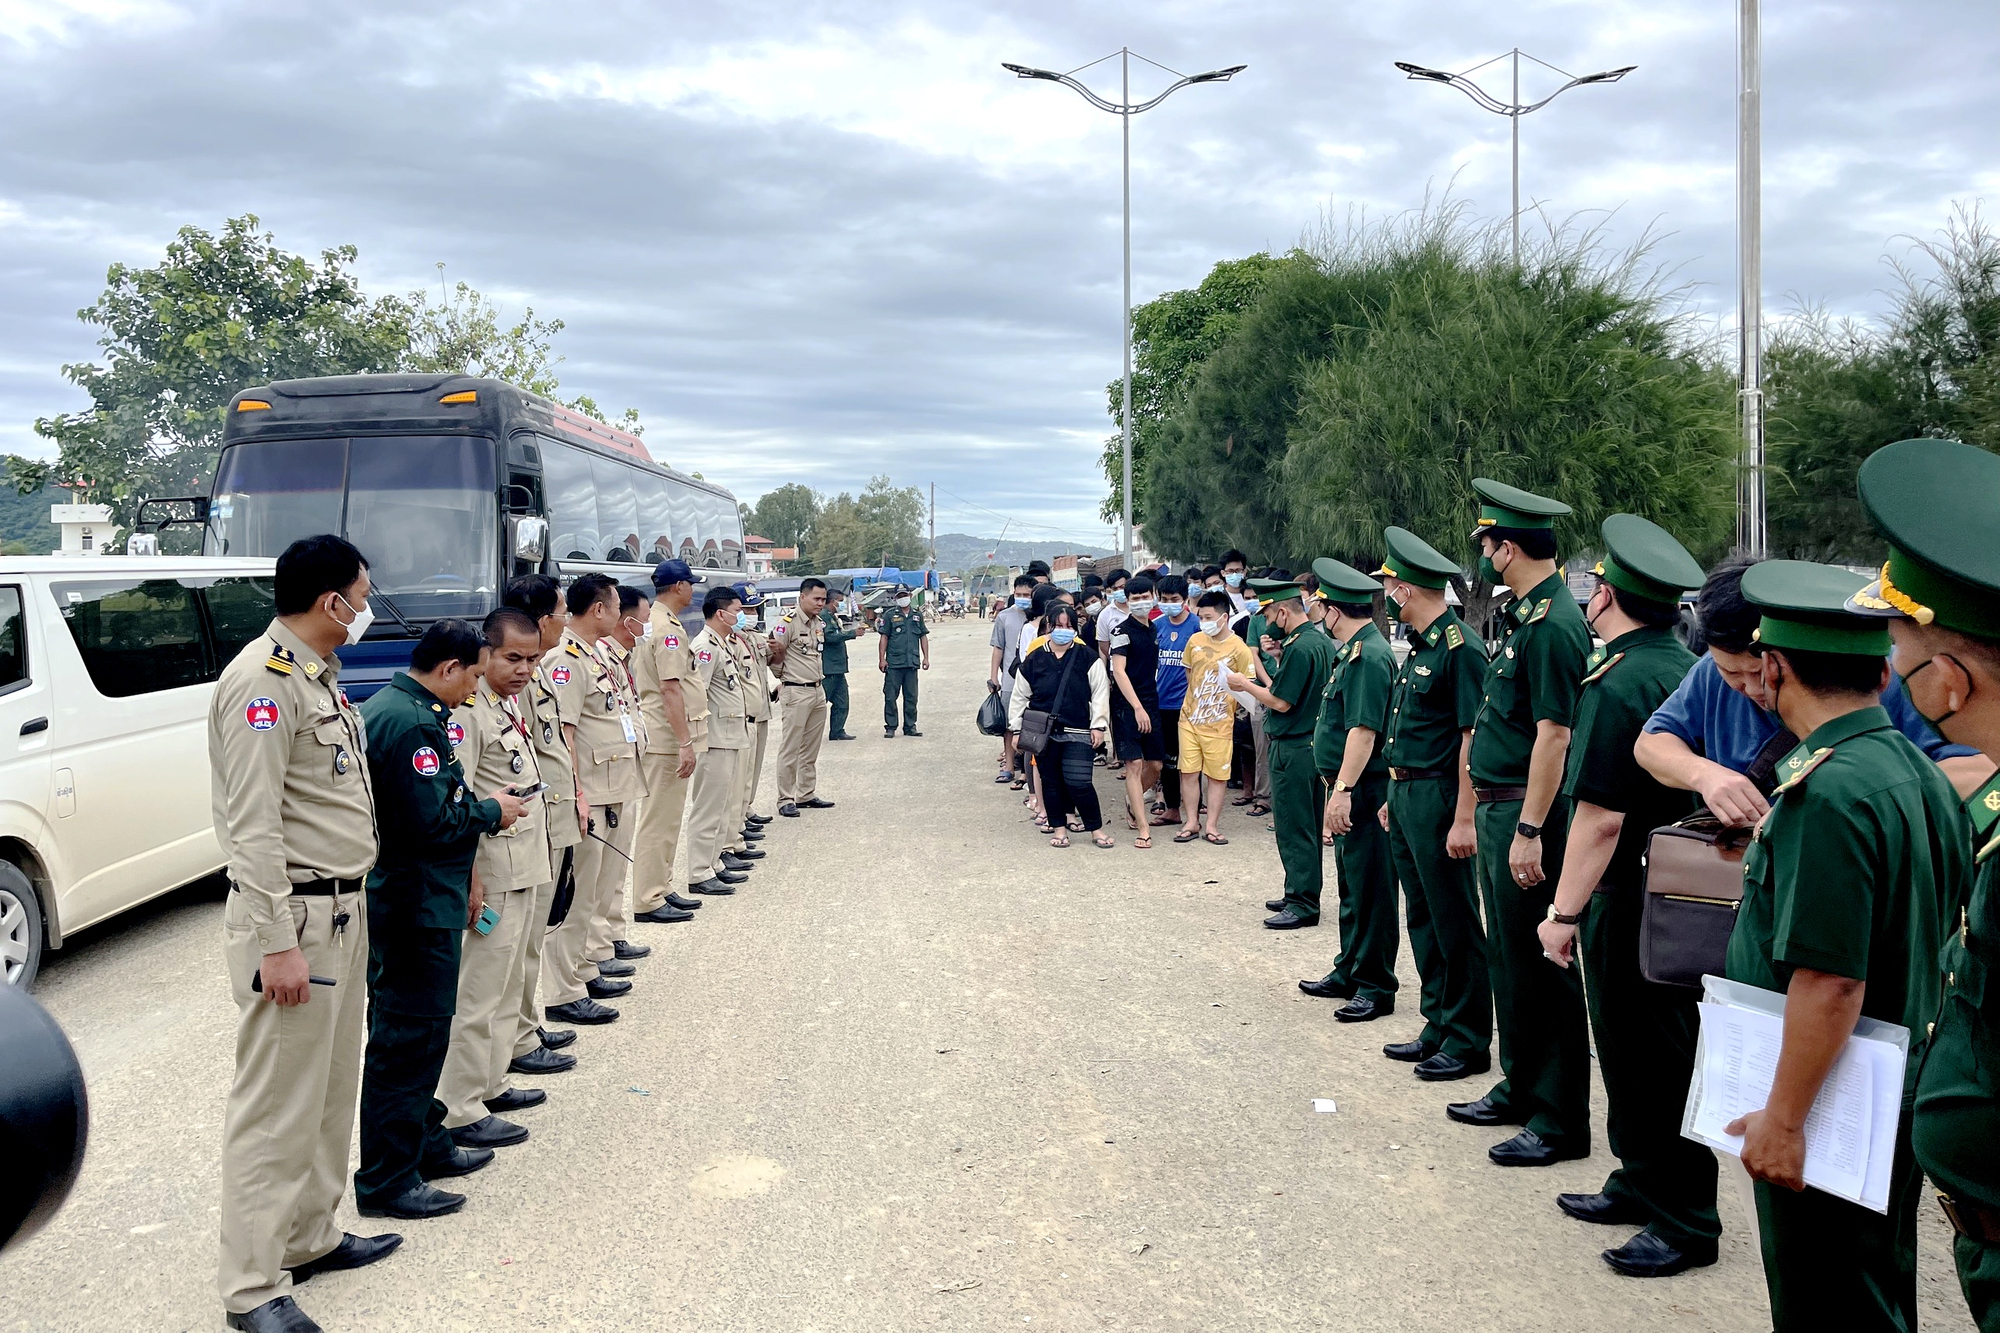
(528, 791)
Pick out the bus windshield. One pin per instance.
(420, 507)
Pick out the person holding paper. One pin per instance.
(1845, 891)
(1938, 504)
(1645, 1031)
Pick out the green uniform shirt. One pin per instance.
(1356, 695)
(901, 632)
(1854, 872)
(1437, 696)
(1958, 1088)
(1532, 679)
(1628, 678)
(833, 654)
(430, 824)
(1303, 667)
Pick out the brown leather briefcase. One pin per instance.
(1694, 884)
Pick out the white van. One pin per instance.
(106, 668)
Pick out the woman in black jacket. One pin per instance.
(1067, 680)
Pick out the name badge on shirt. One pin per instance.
(631, 732)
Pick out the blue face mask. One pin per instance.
(1176, 611)
(744, 620)
(1065, 637)
(1024, 602)
(1118, 596)
(1233, 580)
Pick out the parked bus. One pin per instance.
(450, 485)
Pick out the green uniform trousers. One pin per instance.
(899, 682)
(835, 685)
(1979, 1279)
(1832, 1264)
(412, 993)
(1645, 1052)
(1544, 1036)
(1295, 809)
(1368, 930)
(1441, 901)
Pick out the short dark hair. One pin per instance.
(806, 585)
(1232, 557)
(1039, 567)
(1835, 673)
(447, 640)
(505, 620)
(1355, 610)
(1728, 621)
(1058, 611)
(717, 599)
(629, 598)
(1535, 543)
(1215, 599)
(1652, 614)
(1116, 575)
(312, 567)
(1211, 571)
(1043, 594)
(587, 591)
(1024, 581)
(537, 594)
(1309, 583)
(1171, 585)
(1138, 586)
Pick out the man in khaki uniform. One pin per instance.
(758, 687)
(717, 798)
(604, 738)
(607, 945)
(490, 735)
(664, 670)
(295, 811)
(797, 643)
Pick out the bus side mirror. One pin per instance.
(528, 536)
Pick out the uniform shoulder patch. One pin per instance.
(1597, 671)
(1799, 765)
(569, 646)
(1984, 807)
(1541, 609)
(1454, 637)
(278, 664)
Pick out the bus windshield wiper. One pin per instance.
(394, 614)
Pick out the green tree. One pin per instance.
(882, 526)
(786, 515)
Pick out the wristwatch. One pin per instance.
(1338, 785)
(1562, 920)
(1527, 830)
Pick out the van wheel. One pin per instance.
(21, 936)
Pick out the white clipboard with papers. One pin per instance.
(1851, 1131)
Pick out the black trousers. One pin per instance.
(412, 994)
(1067, 770)
(1167, 721)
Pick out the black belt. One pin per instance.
(1491, 795)
(1971, 1219)
(319, 888)
(802, 684)
(1418, 774)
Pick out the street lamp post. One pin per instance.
(1514, 108)
(1125, 108)
(1751, 531)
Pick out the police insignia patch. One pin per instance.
(560, 675)
(455, 733)
(425, 761)
(262, 713)
(671, 642)
(705, 655)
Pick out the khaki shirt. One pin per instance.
(804, 638)
(662, 658)
(619, 660)
(543, 711)
(591, 695)
(292, 797)
(491, 738)
(753, 651)
(716, 669)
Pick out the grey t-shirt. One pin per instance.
(1007, 627)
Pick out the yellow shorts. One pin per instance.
(1207, 752)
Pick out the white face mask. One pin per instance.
(362, 619)
(902, 601)
(1213, 628)
(1139, 606)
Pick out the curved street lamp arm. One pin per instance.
(1494, 104)
(1118, 109)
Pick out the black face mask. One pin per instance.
(1937, 723)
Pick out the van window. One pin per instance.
(239, 609)
(135, 636)
(13, 641)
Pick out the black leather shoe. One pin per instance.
(735, 865)
(416, 1203)
(279, 1316)
(750, 854)
(1288, 921)
(815, 803)
(625, 951)
(841, 736)
(1481, 1112)
(1412, 1051)
(888, 733)
(462, 1162)
(1442, 1068)
(597, 988)
(731, 876)
(352, 1252)
(758, 820)
(711, 887)
(542, 1060)
(1646, 1255)
(751, 833)
(556, 1040)
(1608, 1209)
(611, 967)
(1363, 1010)
(1274, 904)
(788, 810)
(1326, 990)
(664, 914)
(585, 1011)
(913, 733)
(1528, 1149)
(489, 1131)
(685, 904)
(516, 1099)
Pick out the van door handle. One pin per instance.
(33, 725)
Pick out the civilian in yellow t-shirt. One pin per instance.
(1208, 715)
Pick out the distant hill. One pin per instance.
(957, 550)
(25, 519)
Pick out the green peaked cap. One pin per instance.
(1805, 607)
(1511, 507)
(1342, 582)
(1644, 559)
(1937, 504)
(1414, 560)
(1267, 591)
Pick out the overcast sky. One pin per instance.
(818, 241)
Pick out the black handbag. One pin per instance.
(1039, 726)
(1694, 885)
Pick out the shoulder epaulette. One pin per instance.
(569, 646)
(280, 660)
(1984, 807)
(1454, 637)
(1598, 672)
(1798, 765)
(1541, 609)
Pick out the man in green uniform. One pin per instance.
(418, 907)
(1846, 888)
(1347, 752)
(833, 661)
(1430, 812)
(1645, 1032)
(1938, 504)
(1291, 708)
(905, 648)
(1518, 746)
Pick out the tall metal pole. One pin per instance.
(1752, 534)
(1125, 414)
(1515, 117)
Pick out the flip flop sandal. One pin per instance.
(1061, 840)
(1215, 838)
(1018, 784)
(1074, 825)
(1143, 841)
(1186, 835)
(1243, 800)
(1104, 840)
(1005, 777)
(1259, 810)
(1161, 821)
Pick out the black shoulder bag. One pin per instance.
(1039, 726)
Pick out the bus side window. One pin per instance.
(572, 502)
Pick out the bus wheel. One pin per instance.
(21, 935)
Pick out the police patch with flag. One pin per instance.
(425, 761)
(261, 713)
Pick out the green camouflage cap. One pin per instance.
(1507, 506)
(1644, 559)
(1937, 504)
(1805, 607)
(1342, 582)
(1414, 560)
